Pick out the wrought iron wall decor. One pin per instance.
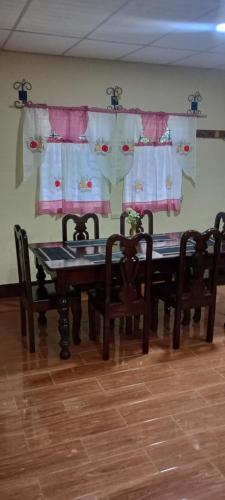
(194, 99)
(22, 88)
(115, 93)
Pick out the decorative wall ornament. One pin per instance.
(194, 99)
(22, 88)
(115, 93)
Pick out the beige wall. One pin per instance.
(68, 81)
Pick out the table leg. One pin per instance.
(63, 310)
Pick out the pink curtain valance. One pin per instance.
(70, 124)
(154, 125)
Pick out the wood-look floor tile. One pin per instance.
(31, 464)
(202, 481)
(185, 382)
(213, 394)
(175, 452)
(55, 393)
(69, 428)
(11, 490)
(135, 376)
(105, 475)
(204, 418)
(156, 407)
(132, 437)
(91, 403)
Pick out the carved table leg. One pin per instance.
(63, 310)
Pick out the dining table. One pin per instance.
(77, 263)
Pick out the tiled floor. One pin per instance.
(135, 427)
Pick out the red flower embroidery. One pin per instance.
(186, 148)
(105, 148)
(57, 184)
(89, 184)
(125, 147)
(33, 144)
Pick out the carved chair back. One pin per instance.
(80, 230)
(23, 261)
(129, 293)
(139, 227)
(197, 274)
(220, 221)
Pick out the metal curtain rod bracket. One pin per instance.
(22, 88)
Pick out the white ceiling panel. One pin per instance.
(3, 36)
(43, 44)
(67, 17)
(102, 50)
(156, 55)
(177, 32)
(10, 11)
(204, 60)
(191, 40)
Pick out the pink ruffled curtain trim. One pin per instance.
(76, 207)
(154, 125)
(68, 123)
(155, 206)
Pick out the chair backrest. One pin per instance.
(129, 289)
(23, 261)
(198, 264)
(220, 221)
(80, 230)
(139, 227)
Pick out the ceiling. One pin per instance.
(171, 32)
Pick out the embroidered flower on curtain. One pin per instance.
(85, 185)
(102, 147)
(183, 148)
(127, 147)
(35, 144)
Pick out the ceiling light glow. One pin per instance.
(220, 27)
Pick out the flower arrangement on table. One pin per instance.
(133, 217)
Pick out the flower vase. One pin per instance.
(133, 230)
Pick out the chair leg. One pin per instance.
(106, 332)
(176, 331)
(186, 317)
(136, 323)
(197, 315)
(42, 320)
(31, 331)
(23, 320)
(76, 312)
(154, 315)
(92, 321)
(129, 325)
(145, 340)
(210, 325)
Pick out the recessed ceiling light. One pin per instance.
(220, 27)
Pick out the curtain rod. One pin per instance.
(103, 110)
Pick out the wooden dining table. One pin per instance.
(76, 263)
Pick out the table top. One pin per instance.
(58, 255)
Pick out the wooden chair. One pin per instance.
(219, 224)
(220, 221)
(125, 298)
(196, 281)
(140, 228)
(80, 230)
(33, 297)
(80, 233)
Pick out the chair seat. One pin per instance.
(97, 298)
(48, 293)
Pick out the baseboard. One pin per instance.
(9, 290)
